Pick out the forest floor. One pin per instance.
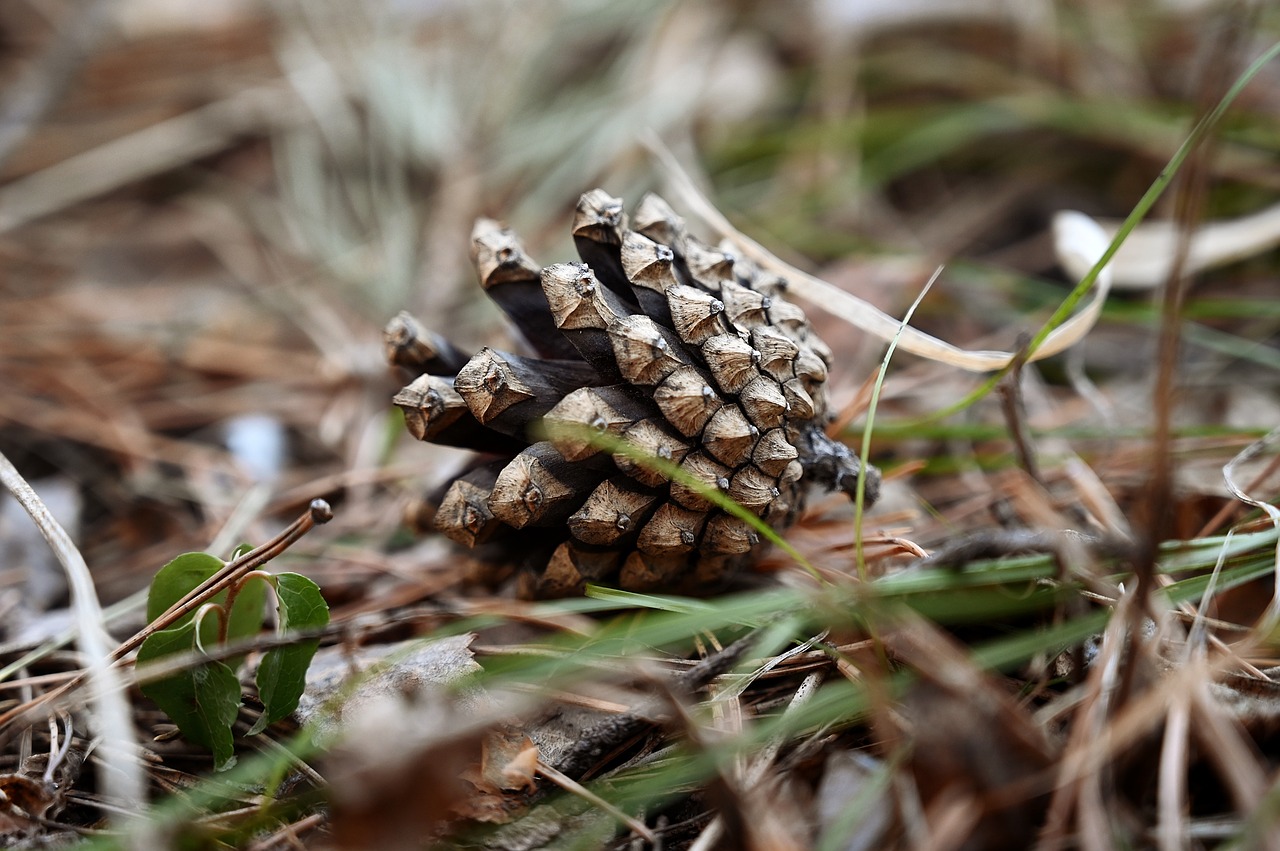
(209, 212)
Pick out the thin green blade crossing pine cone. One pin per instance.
(680, 349)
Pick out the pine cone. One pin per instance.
(685, 351)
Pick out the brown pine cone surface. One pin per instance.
(683, 351)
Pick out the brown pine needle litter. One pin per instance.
(217, 225)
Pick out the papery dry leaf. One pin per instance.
(779, 816)
(22, 547)
(24, 800)
(1228, 474)
(521, 771)
(1146, 258)
(497, 796)
(395, 779)
(123, 776)
(32, 796)
(403, 744)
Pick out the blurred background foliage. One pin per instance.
(210, 211)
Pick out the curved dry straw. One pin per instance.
(121, 774)
(1058, 332)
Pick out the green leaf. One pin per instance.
(203, 700)
(177, 579)
(283, 672)
(249, 610)
(217, 699)
(184, 574)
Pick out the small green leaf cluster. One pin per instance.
(203, 698)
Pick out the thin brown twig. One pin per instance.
(573, 787)
(1015, 411)
(1171, 787)
(1158, 524)
(289, 832)
(612, 732)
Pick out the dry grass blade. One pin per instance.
(969, 738)
(147, 152)
(575, 788)
(1078, 238)
(762, 827)
(122, 776)
(1228, 474)
(1171, 827)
